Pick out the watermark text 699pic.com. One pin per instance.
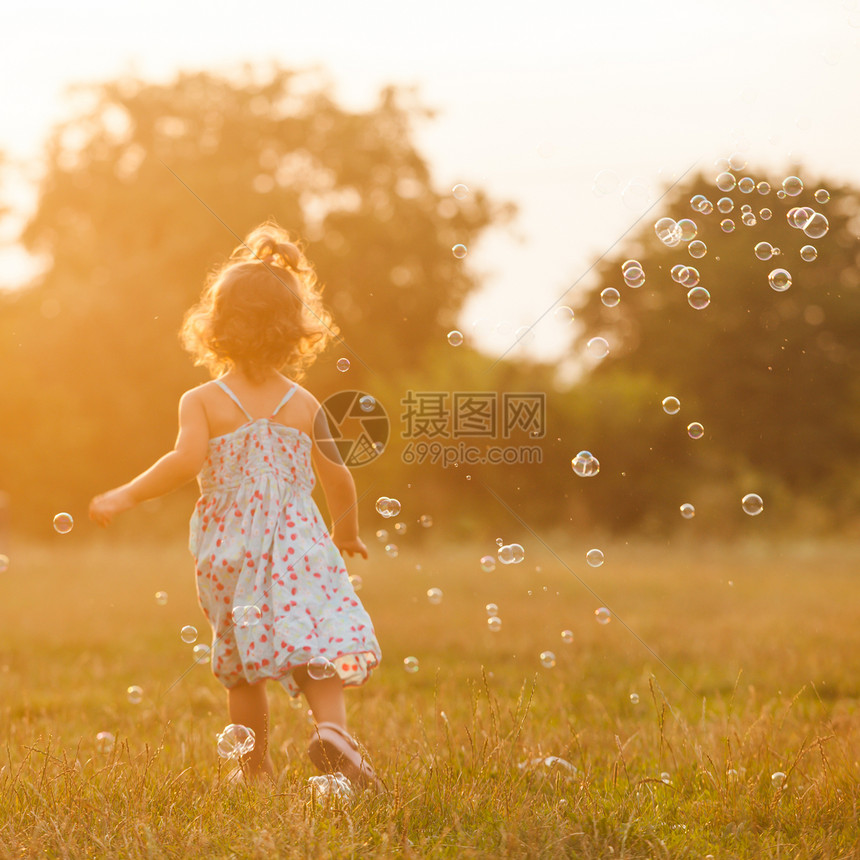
(443, 427)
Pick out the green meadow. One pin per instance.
(745, 660)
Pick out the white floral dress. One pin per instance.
(259, 540)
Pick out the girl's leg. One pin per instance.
(325, 697)
(249, 706)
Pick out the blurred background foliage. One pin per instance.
(152, 185)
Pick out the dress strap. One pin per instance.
(229, 393)
(284, 400)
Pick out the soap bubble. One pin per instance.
(459, 251)
(822, 195)
(688, 229)
(765, 214)
(563, 314)
(749, 219)
(634, 277)
(808, 253)
(400, 528)
(425, 521)
(585, 464)
(382, 535)
(677, 272)
(752, 504)
(434, 596)
(727, 225)
(698, 298)
(695, 430)
(4, 563)
(594, 557)
(697, 249)
(598, 347)
(135, 694)
(778, 779)
(320, 667)
(325, 786)
(488, 564)
(763, 187)
(492, 610)
(455, 338)
(567, 636)
(763, 250)
(634, 698)
(547, 659)
(387, 507)
(799, 216)
(356, 581)
(792, 186)
(671, 405)
(725, 181)
(688, 511)
(343, 365)
(160, 597)
(666, 778)
(689, 277)
(697, 201)
(494, 624)
(511, 554)
(460, 191)
(246, 616)
(668, 232)
(817, 226)
(410, 664)
(746, 185)
(610, 297)
(188, 634)
(725, 205)
(63, 523)
(602, 615)
(779, 280)
(391, 550)
(235, 741)
(105, 742)
(367, 403)
(201, 653)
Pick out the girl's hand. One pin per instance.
(354, 546)
(105, 507)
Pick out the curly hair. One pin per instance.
(260, 310)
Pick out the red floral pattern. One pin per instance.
(258, 538)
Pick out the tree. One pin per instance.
(772, 375)
(157, 183)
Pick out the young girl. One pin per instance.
(260, 546)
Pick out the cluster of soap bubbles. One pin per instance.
(235, 741)
(585, 464)
(387, 507)
(327, 786)
(511, 553)
(320, 667)
(246, 616)
(633, 273)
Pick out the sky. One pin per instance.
(578, 113)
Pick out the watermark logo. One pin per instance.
(352, 427)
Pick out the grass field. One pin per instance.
(745, 659)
